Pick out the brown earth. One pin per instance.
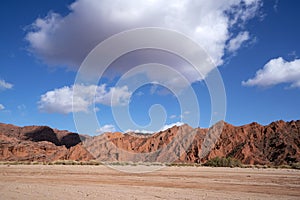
(100, 182)
(274, 144)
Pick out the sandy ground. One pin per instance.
(102, 182)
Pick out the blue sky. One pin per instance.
(254, 45)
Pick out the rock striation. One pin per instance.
(40, 143)
(274, 144)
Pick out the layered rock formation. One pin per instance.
(276, 143)
(40, 143)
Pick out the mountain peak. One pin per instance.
(276, 143)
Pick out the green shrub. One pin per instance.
(179, 164)
(64, 162)
(296, 165)
(223, 162)
(35, 163)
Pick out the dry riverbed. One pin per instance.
(102, 182)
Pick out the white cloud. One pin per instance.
(153, 88)
(96, 109)
(66, 40)
(106, 128)
(167, 126)
(2, 107)
(115, 96)
(78, 98)
(4, 85)
(139, 93)
(172, 116)
(185, 113)
(138, 131)
(235, 43)
(277, 71)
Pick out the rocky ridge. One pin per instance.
(40, 143)
(274, 144)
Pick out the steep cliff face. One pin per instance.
(39, 143)
(40, 133)
(276, 143)
(164, 146)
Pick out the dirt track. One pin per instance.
(101, 182)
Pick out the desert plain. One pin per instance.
(125, 182)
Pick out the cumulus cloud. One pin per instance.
(66, 40)
(236, 42)
(2, 107)
(106, 128)
(5, 85)
(165, 127)
(78, 98)
(277, 71)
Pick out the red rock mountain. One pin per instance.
(276, 143)
(40, 143)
